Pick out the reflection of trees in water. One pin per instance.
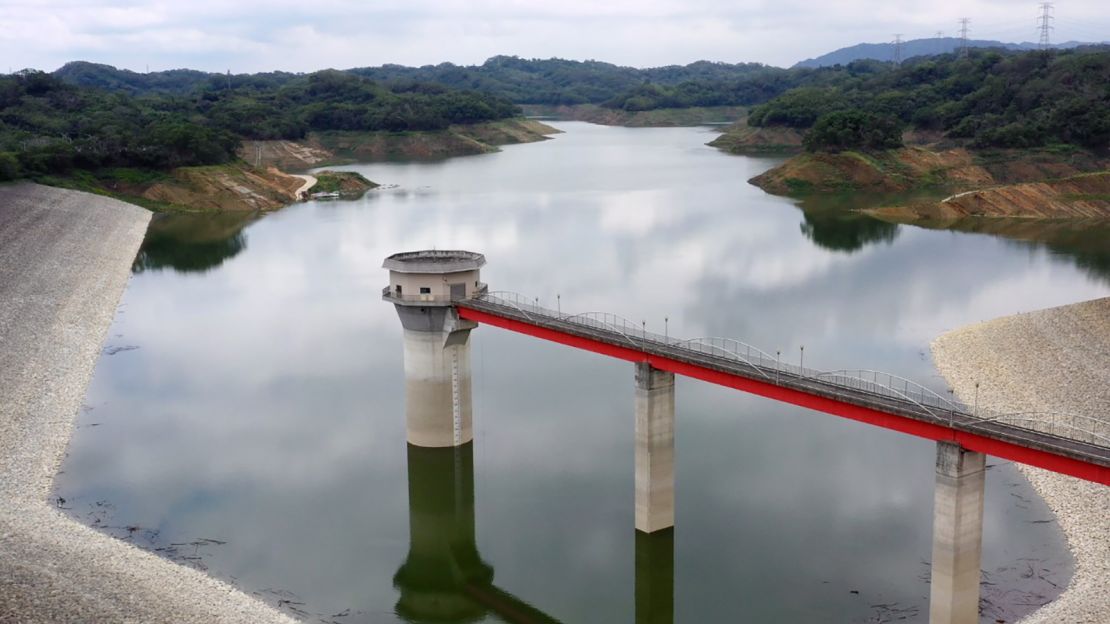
(1096, 264)
(831, 222)
(1085, 242)
(166, 253)
(845, 231)
(192, 243)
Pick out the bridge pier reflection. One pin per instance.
(655, 577)
(445, 579)
(443, 557)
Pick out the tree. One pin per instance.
(853, 130)
(9, 166)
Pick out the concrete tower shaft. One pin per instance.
(422, 286)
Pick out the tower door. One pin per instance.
(458, 291)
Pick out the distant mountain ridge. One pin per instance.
(526, 81)
(918, 47)
(168, 82)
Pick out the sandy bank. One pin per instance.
(65, 258)
(656, 118)
(320, 149)
(234, 186)
(740, 138)
(1005, 181)
(1056, 359)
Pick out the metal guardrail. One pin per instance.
(847, 384)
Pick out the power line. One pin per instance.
(1046, 23)
(898, 49)
(964, 22)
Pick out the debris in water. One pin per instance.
(115, 350)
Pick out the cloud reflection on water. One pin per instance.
(264, 405)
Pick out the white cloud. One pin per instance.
(259, 36)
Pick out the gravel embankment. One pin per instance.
(1052, 360)
(65, 258)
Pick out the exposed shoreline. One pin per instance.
(954, 183)
(65, 259)
(655, 118)
(325, 149)
(1056, 359)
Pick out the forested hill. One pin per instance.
(990, 99)
(524, 81)
(48, 126)
(174, 81)
(558, 81)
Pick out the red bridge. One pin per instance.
(439, 298)
(1068, 444)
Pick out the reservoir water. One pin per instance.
(247, 416)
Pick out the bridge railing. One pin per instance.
(772, 369)
(1062, 424)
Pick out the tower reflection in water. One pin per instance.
(444, 578)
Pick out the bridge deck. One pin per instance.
(910, 410)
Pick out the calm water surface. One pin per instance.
(247, 416)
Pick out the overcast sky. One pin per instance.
(305, 35)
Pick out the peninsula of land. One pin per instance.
(1054, 360)
(992, 135)
(65, 257)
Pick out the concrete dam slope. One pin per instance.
(1055, 357)
(65, 258)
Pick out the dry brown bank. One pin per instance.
(327, 148)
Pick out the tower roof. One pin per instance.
(434, 261)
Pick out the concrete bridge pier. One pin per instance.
(957, 535)
(654, 448)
